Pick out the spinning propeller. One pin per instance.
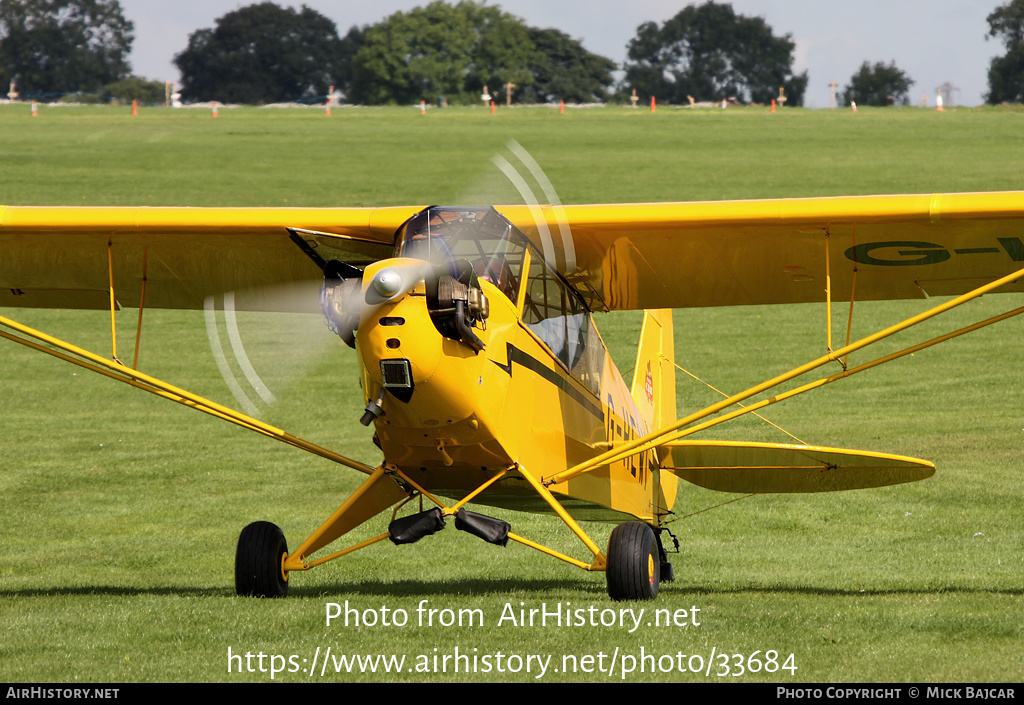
(453, 294)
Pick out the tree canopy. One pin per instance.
(262, 53)
(1006, 73)
(880, 84)
(453, 51)
(563, 70)
(457, 51)
(710, 53)
(63, 46)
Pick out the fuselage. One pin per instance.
(531, 386)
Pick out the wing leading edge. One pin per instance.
(62, 257)
(625, 256)
(679, 255)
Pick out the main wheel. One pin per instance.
(634, 565)
(259, 561)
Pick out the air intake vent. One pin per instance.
(397, 374)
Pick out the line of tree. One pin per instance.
(264, 53)
(459, 52)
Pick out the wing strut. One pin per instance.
(113, 299)
(116, 370)
(726, 395)
(853, 297)
(842, 375)
(142, 306)
(657, 438)
(828, 296)
(113, 303)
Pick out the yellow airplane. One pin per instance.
(484, 375)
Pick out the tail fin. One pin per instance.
(654, 376)
(654, 390)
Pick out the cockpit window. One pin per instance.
(481, 237)
(496, 251)
(556, 315)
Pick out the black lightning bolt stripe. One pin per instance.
(515, 355)
(1014, 247)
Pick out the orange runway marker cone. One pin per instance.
(135, 108)
(35, 109)
(493, 109)
(561, 107)
(653, 105)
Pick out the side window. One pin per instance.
(544, 311)
(558, 317)
(586, 349)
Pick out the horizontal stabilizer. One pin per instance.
(770, 467)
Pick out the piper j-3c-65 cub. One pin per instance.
(467, 321)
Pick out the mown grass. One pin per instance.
(122, 511)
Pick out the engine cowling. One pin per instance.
(457, 303)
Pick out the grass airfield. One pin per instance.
(122, 510)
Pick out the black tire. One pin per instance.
(258, 561)
(634, 564)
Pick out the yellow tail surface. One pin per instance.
(654, 387)
(654, 376)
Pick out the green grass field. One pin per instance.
(121, 511)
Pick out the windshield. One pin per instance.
(480, 237)
(552, 311)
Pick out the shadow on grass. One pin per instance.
(455, 587)
(407, 588)
(116, 590)
(479, 587)
(820, 591)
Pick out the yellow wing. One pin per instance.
(632, 256)
(62, 257)
(678, 255)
